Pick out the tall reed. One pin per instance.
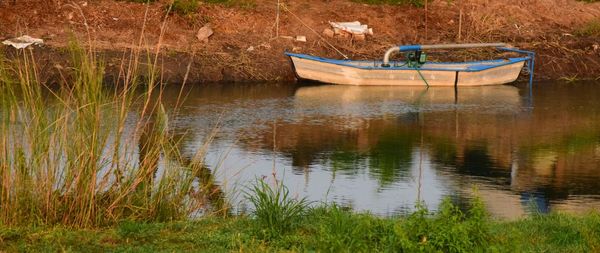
(78, 153)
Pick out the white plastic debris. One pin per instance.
(352, 27)
(301, 38)
(23, 42)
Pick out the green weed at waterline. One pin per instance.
(275, 209)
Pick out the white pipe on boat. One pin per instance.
(386, 56)
(389, 52)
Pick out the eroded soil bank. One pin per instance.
(244, 46)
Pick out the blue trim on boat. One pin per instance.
(410, 48)
(475, 68)
(530, 64)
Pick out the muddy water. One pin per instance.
(381, 149)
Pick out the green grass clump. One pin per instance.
(275, 209)
(140, 1)
(184, 7)
(548, 233)
(189, 7)
(417, 3)
(341, 230)
(244, 4)
(591, 28)
(449, 230)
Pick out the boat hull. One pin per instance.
(449, 74)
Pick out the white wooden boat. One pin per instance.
(415, 70)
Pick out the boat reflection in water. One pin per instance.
(416, 132)
(347, 94)
(485, 144)
(383, 148)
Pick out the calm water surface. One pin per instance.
(380, 149)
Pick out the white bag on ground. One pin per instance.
(23, 42)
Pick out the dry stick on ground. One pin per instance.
(426, 28)
(460, 18)
(277, 20)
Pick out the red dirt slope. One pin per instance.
(546, 26)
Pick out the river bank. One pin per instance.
(323, 230)
(245, 47)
